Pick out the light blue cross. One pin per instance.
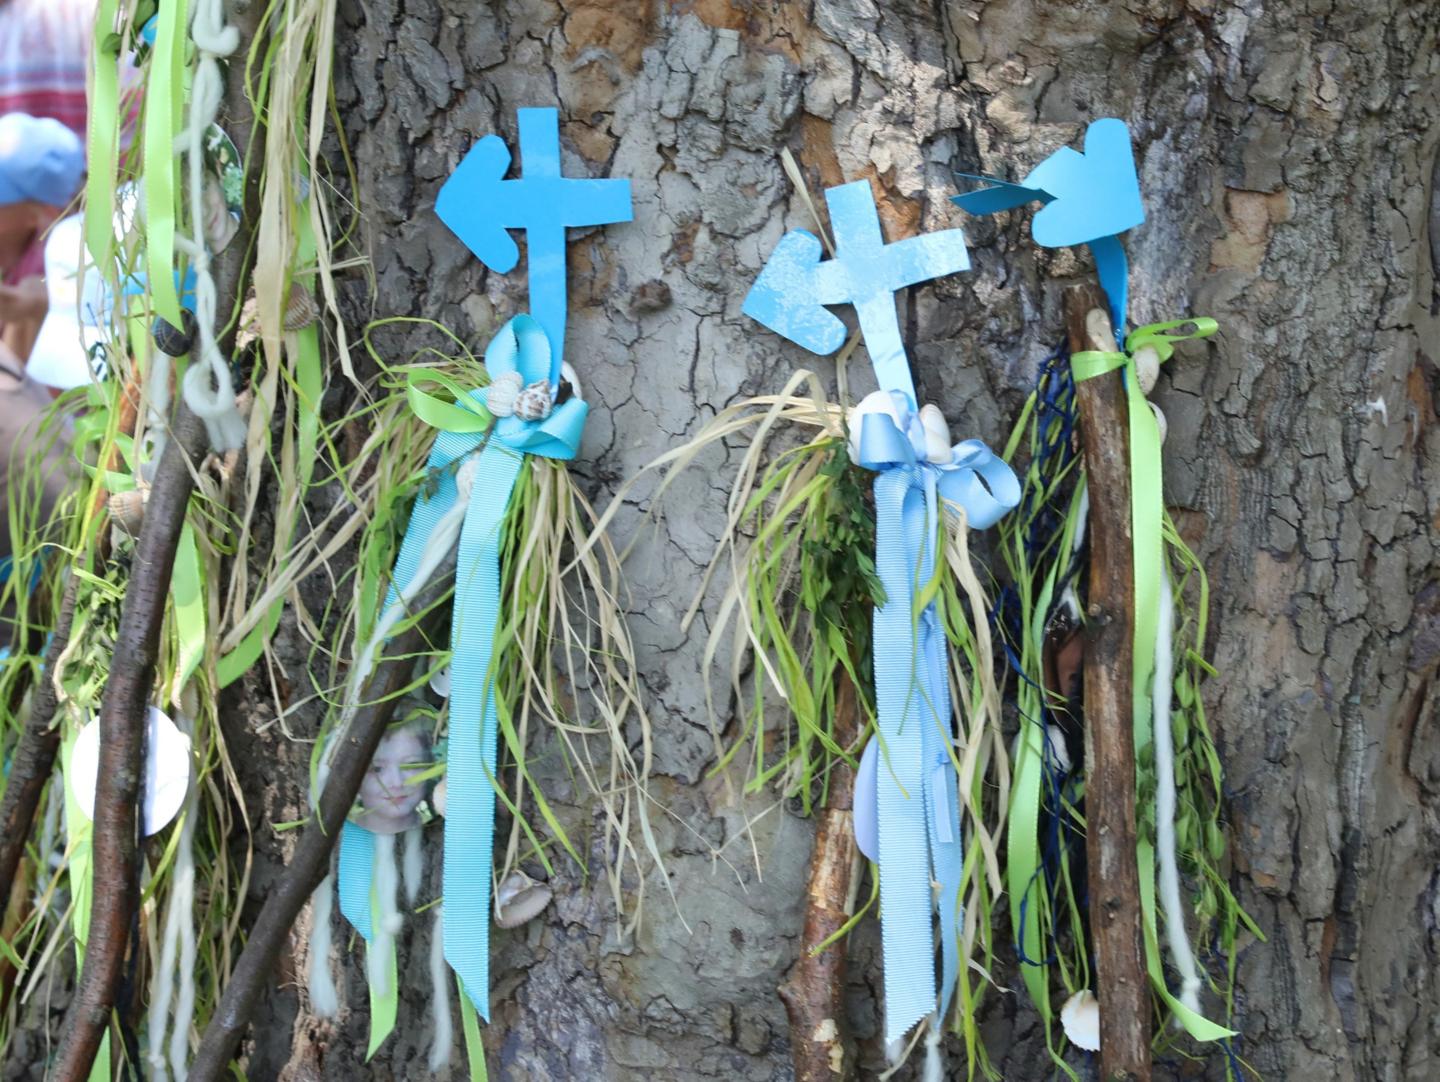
(479, 205)
(792, 290)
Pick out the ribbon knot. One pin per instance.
(892, 434)
(907, 810)
(466, 426)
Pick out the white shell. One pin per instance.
(437, 797)
(519, 899)
(1160, 421)
(440, 683)
(1081, 1018)
(1147, 367)
(1061, 754)
(568, 375)
(220, 225)
(937, 434)
(535, 402)
(875, 402)
(501, 395)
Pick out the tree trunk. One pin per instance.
(1288, 164)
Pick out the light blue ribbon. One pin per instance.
(919, 837)
(520, 346)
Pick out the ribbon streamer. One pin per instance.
(499, 452)
(1147, 520)
(918, 836)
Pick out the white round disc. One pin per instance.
(167, 769)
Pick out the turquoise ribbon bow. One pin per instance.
(916, 792)
(519, 346)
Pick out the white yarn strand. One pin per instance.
(1165, 800)
(387, 883)
(208, 390)
(324, 998)
(185, 902)
(177, 939)
(934, 1070)
(413, 866)
(440, 997)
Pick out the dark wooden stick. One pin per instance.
(821, 1046)
(35, 754)
(115, 833)
(115, 836)
(255, 970)
(1115, 927)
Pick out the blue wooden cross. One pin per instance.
(792, 290)
(479, 205)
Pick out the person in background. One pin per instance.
(42, 165)
(44, 55)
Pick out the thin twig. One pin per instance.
(115, 835)
(1110, 832)
(255, 969)
(35, 754)
(821, 1046)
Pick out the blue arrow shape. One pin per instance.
(791, 292)
(479, 205)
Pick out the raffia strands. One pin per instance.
(563, 618)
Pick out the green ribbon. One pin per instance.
(164, 109)
(1147, 526)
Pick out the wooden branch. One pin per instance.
(256, 968)
(35, 754)
(821, 1046)
(115, 833)
(1110, 834)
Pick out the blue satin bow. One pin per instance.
(907, 810)
(520, 346)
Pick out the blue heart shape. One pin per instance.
(1091, 195)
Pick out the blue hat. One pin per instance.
(40, 159)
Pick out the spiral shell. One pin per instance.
(534, 403)
(519, 899)
(300, 309)
(171, 340)
(127, 509)
(504, 390)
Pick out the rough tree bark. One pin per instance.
(1288, 160)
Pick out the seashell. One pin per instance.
(437, 797)
(300, 308)
(440, 683)
(519, 899)
(1055, 737)
(1081, 1019)
(535, 402)
(127, 509)
(502, 393)
(220, 225)
(1160, 421)
(171, 340)
(879, 402)
(937, 434)
(567, 375)
(1147, 367)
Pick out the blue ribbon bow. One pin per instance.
(907, 813)
(520, 346)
